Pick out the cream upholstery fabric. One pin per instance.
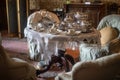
(107, 34)
(38, 16)
(39, 21)
(15, 69)
(110, 39)
(91, 52)
(114, 22)
(104, 68)
(114, 46)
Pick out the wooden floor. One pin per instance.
(4, 33)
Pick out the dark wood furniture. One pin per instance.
(95, 10)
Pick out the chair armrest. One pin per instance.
(81, 70)
(19, 69)
(114, 46)
(17, 63)
(64, 76)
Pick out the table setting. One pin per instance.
(47, 36)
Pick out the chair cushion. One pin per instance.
(107, 34)
(91, 52)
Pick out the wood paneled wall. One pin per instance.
(50, 5)
(116, 1)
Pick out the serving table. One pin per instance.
(43, 45)
(96, 11)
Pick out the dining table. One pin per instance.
(44, 44)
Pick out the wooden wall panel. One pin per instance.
(16, 16)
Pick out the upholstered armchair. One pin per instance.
(14, 68)
(104, 68)
(36, 23)
(109, 28)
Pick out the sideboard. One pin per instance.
(95, 10)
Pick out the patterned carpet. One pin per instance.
(18, 48)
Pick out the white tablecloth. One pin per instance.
(47, 43)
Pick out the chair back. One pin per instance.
(104, 68)
(112, 20)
